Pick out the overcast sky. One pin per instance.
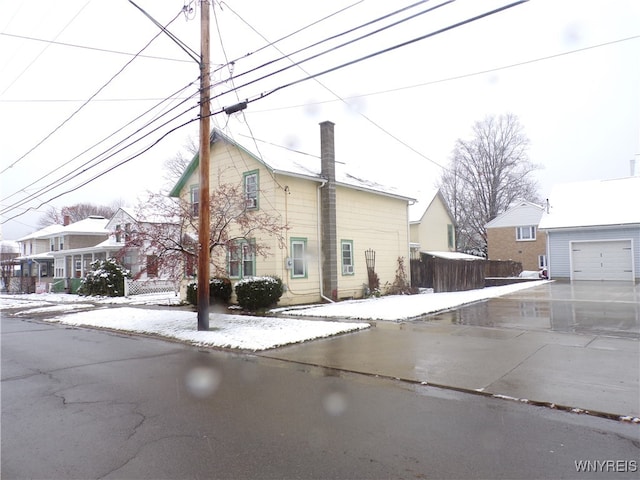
(570, 70)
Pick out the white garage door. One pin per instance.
(602, 260)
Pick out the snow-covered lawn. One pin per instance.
(402, 307)
(242, 331)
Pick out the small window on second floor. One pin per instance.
(525, 233)
(118, 233)
(450, 236)
(251, 189)
(194, 200)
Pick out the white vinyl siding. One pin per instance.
(559, 247)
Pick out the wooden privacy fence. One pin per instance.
(447, 275)
(454, 275)
(502, 268)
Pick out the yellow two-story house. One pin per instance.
(332, 218)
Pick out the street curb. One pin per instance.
(537, 403)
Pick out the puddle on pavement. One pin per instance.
(620, 319)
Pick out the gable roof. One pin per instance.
(593, 203)
(522, 213)
(284, 161)
(420, 207)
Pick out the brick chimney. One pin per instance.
(66, 220)
(328, 211)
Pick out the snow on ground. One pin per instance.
(403, 307)
(241, 331)
(226, 331)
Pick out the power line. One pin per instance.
(44, 49)
(96, 49)
(85, 103)
(357, 39)
(23, 189)
(285, 36)
(284, 86)
(389, 49)
(188, 50)
(67, 177)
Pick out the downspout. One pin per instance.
(318, 234)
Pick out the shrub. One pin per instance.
(192, 293)
(259, 292)
(105, 278)
(219, 289)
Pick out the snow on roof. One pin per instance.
(593, 203)
(94, 225)
(292, 162)
(43, 232)
(522, 213)
(453, 255)
(418, 209)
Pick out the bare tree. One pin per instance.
(170, 233)
(176, 165)
(77, 212)
(488, 173)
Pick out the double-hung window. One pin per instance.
(298, 257)
(194, 200)
(346, 247)
(241, 259)
(524, 234)
(251, 181)
(451, 236)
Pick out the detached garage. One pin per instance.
(602, 260)
(593, 230)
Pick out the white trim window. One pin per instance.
(298, 257)
(526, 234)
(346, 247)
(194, 199)
(241, 259)
(251, 189)
(542, 261)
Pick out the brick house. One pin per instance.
(513, 235)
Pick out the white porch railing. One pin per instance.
(155, 285)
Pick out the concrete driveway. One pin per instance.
(570, 345)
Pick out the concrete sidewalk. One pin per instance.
(496, 350)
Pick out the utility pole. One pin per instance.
(204, 212)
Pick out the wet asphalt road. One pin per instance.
(85, 404)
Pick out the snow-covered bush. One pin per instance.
(219, 289)
(106, 278)
(259, 292)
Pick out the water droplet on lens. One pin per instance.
(202, 381)
(335, 403)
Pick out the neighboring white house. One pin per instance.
(431, 224)
(593, 230)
